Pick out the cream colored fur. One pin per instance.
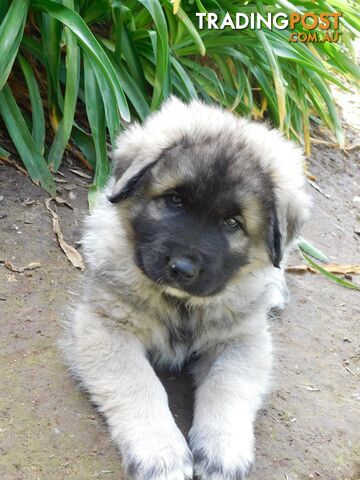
(123, 316)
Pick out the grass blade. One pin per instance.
(277, 76)
(50, 38)
(96, 116)
(86, 144)
(184, 77)
(38, 120)
(62, 134)
(307, 247)
(125, 46)
(161, 52)
(324, 91)
(134, 94)
(330, 276)
(194, 34)
(109, 101)
(4, 153)
(11, 32)
(24, 143)
(89, 43)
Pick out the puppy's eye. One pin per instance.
(232, 223)
(174, 200)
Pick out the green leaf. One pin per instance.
(33, 46)
(64, 128)
(4, 153)
(161, 51)
(109, 101)
(125, 46)
(134, 94)
(191, 30)
(4, 6)
(89, 43)
(330, 276)
(85, 142)
(308, 248)
(96, 116)
(51, 37)
(324, 91)
(11, 32)
(24, 143)
(96, 11)
(38, 120)
(277, 76)
(184, 77)
(208, 80)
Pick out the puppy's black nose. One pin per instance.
(183, 269)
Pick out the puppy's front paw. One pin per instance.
(222, 455)
(160, 456)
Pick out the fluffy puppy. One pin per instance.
(184, 253)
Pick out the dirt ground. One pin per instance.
(309, 426)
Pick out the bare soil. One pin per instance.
(309, 426)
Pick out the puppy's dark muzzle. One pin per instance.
(183, 270)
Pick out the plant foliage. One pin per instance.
(74, 71)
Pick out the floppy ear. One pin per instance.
(127, 187)
(291, 211)
(274, 240)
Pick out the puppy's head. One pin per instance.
(205, 198)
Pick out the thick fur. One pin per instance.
(134, 312)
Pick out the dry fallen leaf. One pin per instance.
(80, 173)
(31, 266)
(14, 164)
(336, 268)
(27, 202)
(12, 267)
(61, 201)
(353, 147)
(310, 388)
(71, 253)
(316, 186)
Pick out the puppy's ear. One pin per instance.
(291, 210)
(274, 240)
(127, 187)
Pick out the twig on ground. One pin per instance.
(10, 266)
(320, 190)
(336, 268)
(71, 253)
(14, 164)
(80, 173)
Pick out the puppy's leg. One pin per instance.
(112, 365)
(277, 291)
(231, 382)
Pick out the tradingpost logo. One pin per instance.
(326, 23)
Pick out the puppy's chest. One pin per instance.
(179, 334)
(183, 327)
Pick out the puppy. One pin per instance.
(184, 253)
